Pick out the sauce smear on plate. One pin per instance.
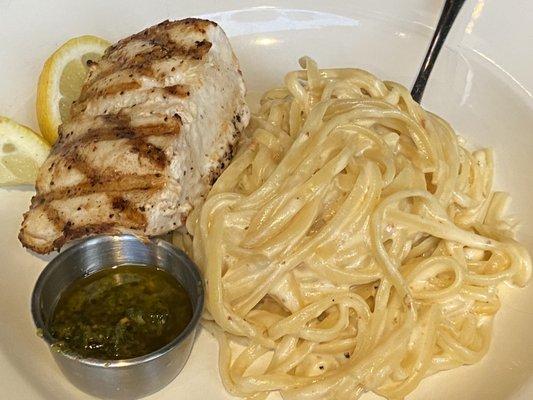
(119, 313)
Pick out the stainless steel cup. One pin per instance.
(118, 379)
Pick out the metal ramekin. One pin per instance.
(118, 379)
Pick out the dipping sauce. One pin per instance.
(122, 312)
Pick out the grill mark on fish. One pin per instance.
(85, 167)
(127, 132)
(121, 71)
(163, 48)
(127, 215)
(173, 127)
(108, 184)
(150, 152)
(69, 233)
(126, 209)
(111, 122)
(120, 87)
(155, 95)
(104, 134)
(53, 215)
(178, 90)
(160, 29)
(71, 155)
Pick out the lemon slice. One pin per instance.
(22, 151)
(61, 80)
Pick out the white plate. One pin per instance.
(482, 84)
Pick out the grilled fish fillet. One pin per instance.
(156, 123)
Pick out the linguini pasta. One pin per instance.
(352, 245)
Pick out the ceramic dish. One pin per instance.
(482, 84)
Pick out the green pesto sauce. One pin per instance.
(119, 313)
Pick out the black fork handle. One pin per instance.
(447, 17)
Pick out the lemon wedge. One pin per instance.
(61, 81)
(22, 151)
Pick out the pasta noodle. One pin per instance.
(354, 244)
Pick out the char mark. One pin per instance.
(107, 183)
(71, 232)
(159, 46)
(178, 90)
(154, 154)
